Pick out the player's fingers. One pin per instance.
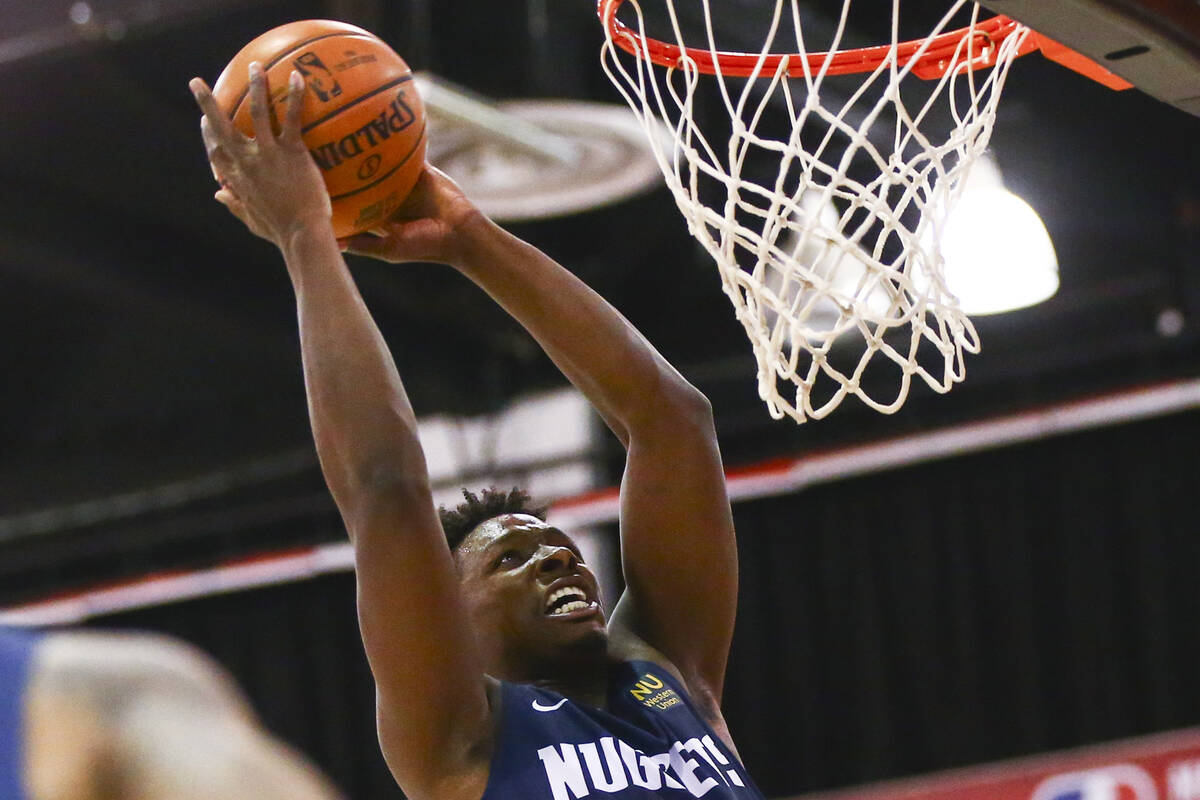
(230, 200)
(236, 207)
(260, 106)
(295, 102)
(364, 244)
(219, 157)
(222, 127)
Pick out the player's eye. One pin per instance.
(509, 558)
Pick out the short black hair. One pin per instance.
(477, 509)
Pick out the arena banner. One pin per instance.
(1160, 767)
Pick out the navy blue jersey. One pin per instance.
(649, 742)
(16, 654)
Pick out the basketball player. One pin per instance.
(498, 674)
(101, 716)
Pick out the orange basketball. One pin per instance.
(362, 119)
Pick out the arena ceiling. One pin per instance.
(148, 337)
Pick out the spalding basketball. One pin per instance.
(362, 120)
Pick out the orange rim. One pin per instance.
(935, 60)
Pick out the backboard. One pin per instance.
(1153, 44)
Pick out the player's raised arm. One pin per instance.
(433, 713)
(676, 529)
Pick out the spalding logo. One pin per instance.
(369, 167)
(393, 119)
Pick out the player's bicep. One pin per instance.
(679, 553)
(429, 678)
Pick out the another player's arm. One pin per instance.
(432, 705)
(143, 717)
(676, 527)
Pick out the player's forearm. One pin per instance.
(363, 424)
(598, 350)
(169, 749)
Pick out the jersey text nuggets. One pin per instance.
(693, 768)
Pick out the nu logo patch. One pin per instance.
(652, 692)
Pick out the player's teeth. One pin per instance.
(565, 591)
(574, 605)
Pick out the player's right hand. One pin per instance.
(270, 181)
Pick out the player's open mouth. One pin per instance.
(568, 601)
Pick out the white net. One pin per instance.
(821, 197)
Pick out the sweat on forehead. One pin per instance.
(515, 530)
(491, 529)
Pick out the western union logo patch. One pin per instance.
(652, 692)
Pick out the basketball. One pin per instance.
(362, 119)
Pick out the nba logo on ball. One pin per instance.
(1116, 782)
(320, 80)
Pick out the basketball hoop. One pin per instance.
(934, 55)
(839, 240)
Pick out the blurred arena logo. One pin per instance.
(1183, 781)
(1116, 782)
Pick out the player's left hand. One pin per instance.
(269, 182)
(428, 226)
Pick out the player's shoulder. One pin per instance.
(626, 646)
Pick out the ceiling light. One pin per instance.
(998, 255)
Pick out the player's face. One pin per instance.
(533, 601)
